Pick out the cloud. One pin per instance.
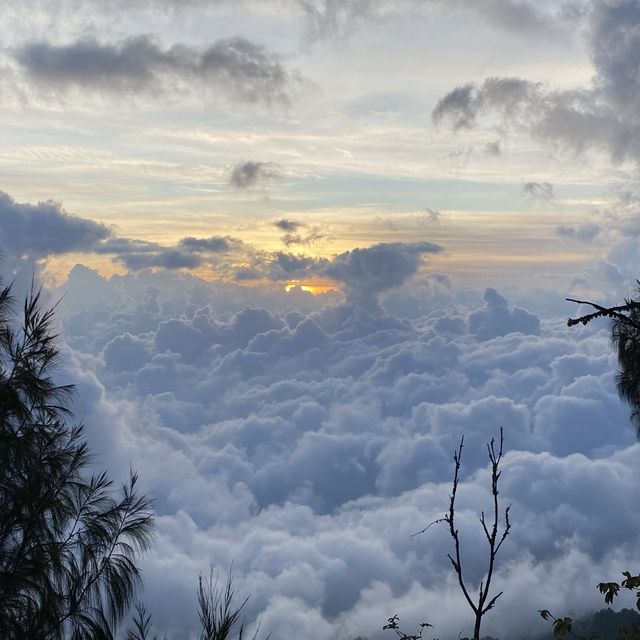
(236, 68)
(329, 443)
(249, 174)
(339, 18)
(142, 254)
(372, 270)
(44, 229)
(584, 232)
(539, 191)
(493, 148)
(287, 225)
(509, 96)
(496, 319)
(431, 216)
(600, 116)
(214, 244)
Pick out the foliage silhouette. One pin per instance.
(625, 338)
(564, 627)
(68, 546)
(219, 616)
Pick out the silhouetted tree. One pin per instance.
(220, 618)
(68, 545)
(495, 537)
(625, 338)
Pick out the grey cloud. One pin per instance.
(294, 236)
(459, 105)
(287, 225)
(286, 266)
(310, 237)
(318, 438)
(214, 244)
(600, 116)
(431, 216)
(235, 67)
(372, 270)
(141, 254)
(497, 319)
(247, 175)
(493, 148)
(166, 259)
(540, 191)
(583, 232)
(43, 229)
(462, 106)
(331, 18)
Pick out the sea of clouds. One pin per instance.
(303, 439)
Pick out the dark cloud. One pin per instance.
(372, 270)
(287, 266)
(166, 259)
(309, 238)
(142, 254)
(602, 115)
(43, 229)
(214, 244)
(235, 67)
(287, 225)
(247, 175)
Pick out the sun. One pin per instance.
(316, 288)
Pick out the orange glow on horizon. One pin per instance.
(316, 288)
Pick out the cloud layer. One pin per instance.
(306, 442)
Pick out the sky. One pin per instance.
(301, 248)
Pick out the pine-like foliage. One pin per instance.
(68, 544)
(625, 337)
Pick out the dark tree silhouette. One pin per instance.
(482, 603)
(219, 616)
(625, 338)
(68, 545)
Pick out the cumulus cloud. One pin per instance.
(43, 229)
(372, 270)
(237, 68)
(249, 174)
(497, 319)
(329, 443)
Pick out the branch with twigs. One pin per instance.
(491, 529)
(617, 312)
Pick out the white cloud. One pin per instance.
(307, 450)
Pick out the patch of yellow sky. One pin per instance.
(476, 244)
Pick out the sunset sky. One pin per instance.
(302, 247)
(332, 115)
